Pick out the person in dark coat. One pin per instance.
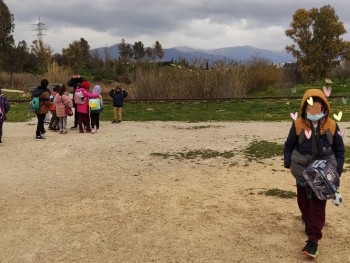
(44, 98)
(313, 136)
(118, 94)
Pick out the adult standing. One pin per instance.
(74, 82)
(44, 103)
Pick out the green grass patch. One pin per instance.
(194, 111)
(196, 154)
(280, 193)
(263, 150)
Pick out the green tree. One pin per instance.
(6, 30)
(125, 52)
(318, 45)
(77, 54)
(158, 50)
(149, 54)
(139, 51)
(42, 52)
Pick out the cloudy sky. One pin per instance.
(204, 24)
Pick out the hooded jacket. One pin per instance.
(84, 108)
(324, 143)
(44, 97)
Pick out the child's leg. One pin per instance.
(51, 127)
(87, 122)
(60, 123)
(97, 120)
(1, 124)
(119, 113)
(80, 121)
(115, 111)
(64, 124)
(93, 119)
(317, 218)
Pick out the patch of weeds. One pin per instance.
(164, 155)
(263, 150)
(280, 193)
(193, 154)
(198, 127)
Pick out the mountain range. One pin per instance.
(240, 54)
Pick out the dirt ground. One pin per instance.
(106, 197)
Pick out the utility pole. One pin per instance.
(39, 29)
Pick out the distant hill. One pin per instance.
(240, 54)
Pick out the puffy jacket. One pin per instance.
(52, 97)
(44, 97)
(118, 97)
(84, 108)
(325, 142)
(60, 107)
(4, 107)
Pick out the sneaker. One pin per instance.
(310, 249)
(114, 121)
(74, 127)
(40, 138)
(119, 121)
(60, 132)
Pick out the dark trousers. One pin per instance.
(76, 115)
(95, 119)
(54, 121)
(84, 118)
(313, 213)
(1, 123)
(40, 126)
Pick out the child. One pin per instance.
(53, 125)
(118, 94)
(62, 99)
(313, 136)
(74, 82)
(83, 106)
(95, 114)
(4, 108)
(44, 97)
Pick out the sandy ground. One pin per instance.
(105, 198)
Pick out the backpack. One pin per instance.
(322, 178)
(34, 104)
(95, 105)
(79, 98)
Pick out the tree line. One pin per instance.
(317, 45)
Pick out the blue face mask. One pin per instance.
(316, 117)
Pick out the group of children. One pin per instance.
(88, 106)
(60, 104)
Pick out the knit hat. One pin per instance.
(97, 89)
(85, 85)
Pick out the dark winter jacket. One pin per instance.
(325, 142)
(44, 97)
(4, 107)
(118, 97)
